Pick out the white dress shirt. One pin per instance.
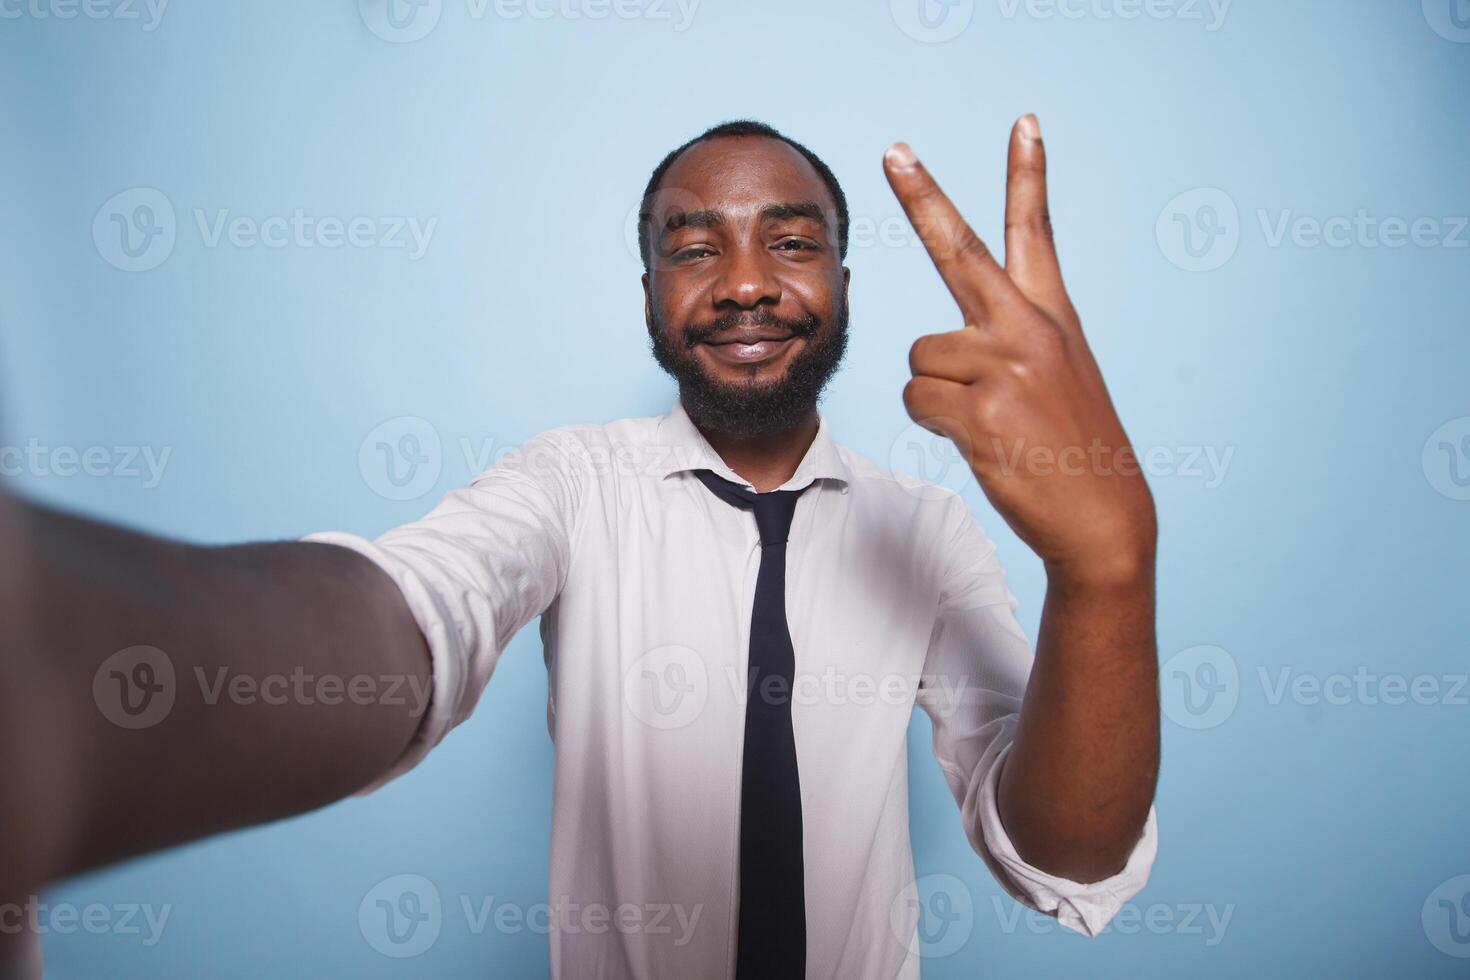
(644, 583)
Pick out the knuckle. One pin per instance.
(913, 395)
(918, 352)
(1048, 341)
(1037, 224)
(991, 413)
(970, 245)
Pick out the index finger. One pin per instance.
(964, 261)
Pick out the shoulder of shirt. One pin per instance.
(902, 489)
(575, 446)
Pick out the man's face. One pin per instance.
(746, 295)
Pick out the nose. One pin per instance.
(747, 278)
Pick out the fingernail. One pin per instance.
(900, 155)
(1030, 128)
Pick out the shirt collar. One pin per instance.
(685, 449)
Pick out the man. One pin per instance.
(738, 614)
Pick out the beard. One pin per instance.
(753, 407)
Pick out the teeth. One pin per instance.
(747, 349)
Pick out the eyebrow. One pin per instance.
(710, 218)
(704, 218)
(805, 209)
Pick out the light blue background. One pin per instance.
(1325, 549)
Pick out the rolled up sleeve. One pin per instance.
(974, 679)
(488, 559)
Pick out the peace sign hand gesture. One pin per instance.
(1016, 388)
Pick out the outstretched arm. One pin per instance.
(262, 645)
(1018, 391)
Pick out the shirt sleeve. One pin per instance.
(488, 559)
(974, 678)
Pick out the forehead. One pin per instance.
(738, 172)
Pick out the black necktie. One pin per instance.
(772, 942)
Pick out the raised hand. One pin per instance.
(1016, 388)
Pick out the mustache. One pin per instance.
(803, 326)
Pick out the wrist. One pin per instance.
(1121, 569)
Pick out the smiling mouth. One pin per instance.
(747, 353)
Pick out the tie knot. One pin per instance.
(773, 510)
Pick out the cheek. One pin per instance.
(817, 289)
(672, 296)
(820, 300)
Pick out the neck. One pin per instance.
(767, 460)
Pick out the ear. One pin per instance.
(647, 304)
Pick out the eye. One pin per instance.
(797, 245)
(692, 253)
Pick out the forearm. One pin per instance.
(78, 790)
(1079, 779)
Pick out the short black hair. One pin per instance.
(740, 127)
